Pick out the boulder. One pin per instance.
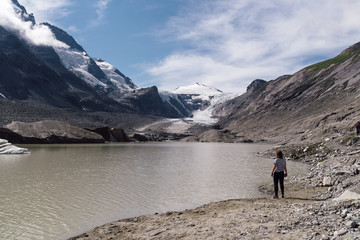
(140, 138)
(48, 131)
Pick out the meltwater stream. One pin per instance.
(59, 191)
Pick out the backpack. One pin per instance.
(357, 124)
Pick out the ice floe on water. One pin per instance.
(8, 148)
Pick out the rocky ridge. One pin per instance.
(321, 99)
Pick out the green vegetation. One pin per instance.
(336, 60)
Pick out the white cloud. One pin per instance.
(47, 11)
(100, 6)
(34, 34)
(233, 42)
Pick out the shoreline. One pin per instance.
(308, 210)
(293, 217)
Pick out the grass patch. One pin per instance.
(336, 60)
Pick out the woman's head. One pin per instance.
(279, 154)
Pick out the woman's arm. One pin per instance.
(285, 169)
(273, 169)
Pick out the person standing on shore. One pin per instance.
(278, 172)
(357, 128)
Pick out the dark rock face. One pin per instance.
(112, 134)
(25, 16)
(140, 138)
(148, 101)
(47, 132)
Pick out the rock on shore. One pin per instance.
(48, 131)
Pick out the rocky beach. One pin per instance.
(324, 204)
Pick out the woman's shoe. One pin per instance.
(275, 197)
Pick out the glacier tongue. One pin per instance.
(8, 148)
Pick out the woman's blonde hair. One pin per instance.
(279, 154)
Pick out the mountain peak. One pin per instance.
(255, 84)
(352, 49)
(64, 37)
(20, 9)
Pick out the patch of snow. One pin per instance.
(8, 148)
(203, 117)
(110, 71)
(2, 95)
(78, 62)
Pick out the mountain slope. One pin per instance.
(321, 99)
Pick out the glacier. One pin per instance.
(209, 95)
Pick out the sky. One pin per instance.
(221, 43)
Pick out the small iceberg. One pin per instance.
(8, 148)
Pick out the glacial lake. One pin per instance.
(59, 191)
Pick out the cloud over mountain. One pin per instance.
(37, 34)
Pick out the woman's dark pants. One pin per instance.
(279, 177)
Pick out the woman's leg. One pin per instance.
(281, 179)
(276, 187)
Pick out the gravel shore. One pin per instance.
(322, 205)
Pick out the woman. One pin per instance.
(279, 171)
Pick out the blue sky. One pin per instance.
(221, 43)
